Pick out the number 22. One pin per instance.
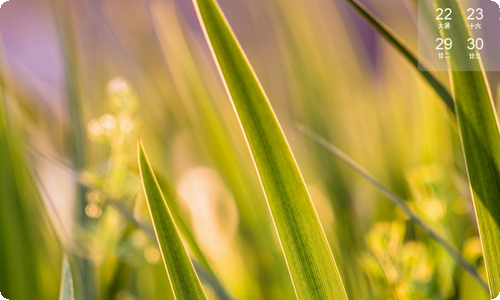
(441, 11)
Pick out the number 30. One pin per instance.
(475, 44)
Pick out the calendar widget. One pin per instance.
(461, 35)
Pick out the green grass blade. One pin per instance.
(397, 43)
(307, 253)
(184, 282)
(66, 292)
(479, 131)
(195, 86)
(396, 200)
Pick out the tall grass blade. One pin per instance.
(184, 282)
(66, 292)
(479, 131)
(397, 43)
(268, 276)
(396, 200)
(310, 262)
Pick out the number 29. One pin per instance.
(444, 44)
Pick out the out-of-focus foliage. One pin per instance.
(115, 70)
(29, 249)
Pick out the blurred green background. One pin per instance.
(81, 80)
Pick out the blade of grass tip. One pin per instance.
(206, 274)
(203, 268)
(397, 43)
(396, 200)
(310, 262)
(66, 292)
(479, 132)
(184, 282)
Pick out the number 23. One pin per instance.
(478, 12)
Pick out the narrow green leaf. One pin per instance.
(310, 262)
(184, 282)
(398, 201)
(66, 292)
(397, 43)
(195, 86)
(478, 125)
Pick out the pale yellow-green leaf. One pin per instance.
(310, 261)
